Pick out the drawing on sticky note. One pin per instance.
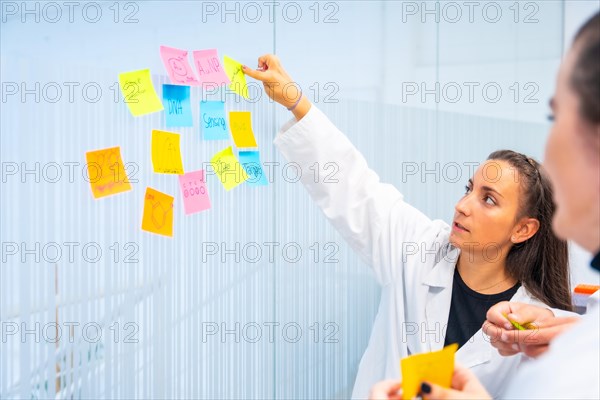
(158, 212)
(177, 65)
(166, 153)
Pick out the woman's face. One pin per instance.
(571, 161)
(485, 218)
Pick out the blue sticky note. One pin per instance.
(176, 100)
(250, 161)
(213, 122)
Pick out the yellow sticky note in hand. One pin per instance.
(158, 213)
(228, 168)
(166, 154)
(106, 172)
(234, 72)
(240, 123)
(435, 367)
(139, 93)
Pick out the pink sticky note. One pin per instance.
(177, 65)
(195, 194)
(209, 67)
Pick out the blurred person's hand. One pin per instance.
(386, 390)
(542, 326)
(465, 386)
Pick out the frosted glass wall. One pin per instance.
(258, 297)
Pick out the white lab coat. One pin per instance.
(410, 255)
(571, 367)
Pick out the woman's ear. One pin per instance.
(525, 229)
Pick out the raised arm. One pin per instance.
(370, 215)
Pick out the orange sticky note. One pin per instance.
(166, 154)
(434, 367)
(158, 213)
(228, 168)
(106, 172)
(240, 123)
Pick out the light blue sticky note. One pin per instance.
(176, 100)
(250, 160)
(213, 122)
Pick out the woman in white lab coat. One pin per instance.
(568, 363)
(438, 280)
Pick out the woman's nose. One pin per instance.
(463, 205)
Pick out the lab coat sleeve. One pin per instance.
(370, 215)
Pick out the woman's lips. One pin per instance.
(458, 227)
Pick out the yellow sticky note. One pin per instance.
(228, 169)
(158, 213)
(435, 367)
(106, 172)
(234, 72)
(240, 123)
(139, 93)
(166, 155)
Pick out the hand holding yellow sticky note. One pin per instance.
(106, 172)
(435, 367)
(158, 213)
(240, 123)
(234, 72)
(228, 168)
(166, 154)
(139, 93)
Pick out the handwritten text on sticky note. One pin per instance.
(241, 128)
(213, 121)
(250, 161)
(210, 70)
(138, 92)
(234, 72)
(228, 169)
(178, 110)
(106, 172)
(195, 194)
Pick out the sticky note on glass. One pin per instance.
(234, 72)
(240, 123)
(195, 194)
(106, 172)
(178, 109)
(177, 65)
(434, 367)
(210, 70)
(250, 161)
(139, 93)
(228, 169)
(213, 122)
(166, 155)
(158, 213)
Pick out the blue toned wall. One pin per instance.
(179, 321)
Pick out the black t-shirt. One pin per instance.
(468, 309)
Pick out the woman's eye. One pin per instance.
(467, 189)
(489, 200)
(551, 117)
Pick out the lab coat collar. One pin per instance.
(441, 274)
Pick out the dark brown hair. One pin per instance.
(541, 263)
(585, 78)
